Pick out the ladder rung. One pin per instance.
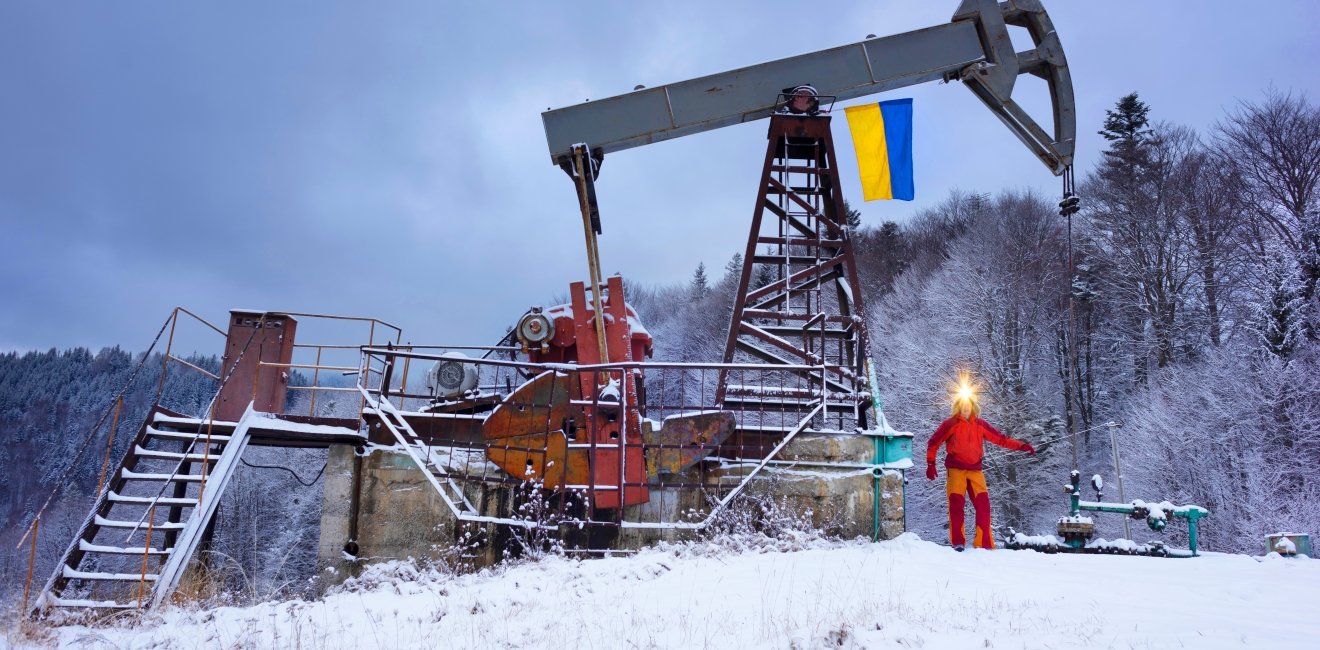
(91, 604)
(130, 474)
(151, 501)
(116, 523)
(771, 189)
(74, 574)
(88, 547)
(184, 435)
(171, 455)
(813, 332)
(800, 241)
(791, 260)
(171, 421)
(797, 169)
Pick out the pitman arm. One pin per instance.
(975, 48)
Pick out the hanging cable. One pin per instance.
(290, 471)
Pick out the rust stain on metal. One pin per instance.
(535, 456)
(528, 435)
(682, 441)
(538, 406)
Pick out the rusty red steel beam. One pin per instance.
(796, 277)
(798, 290)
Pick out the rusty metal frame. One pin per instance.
(380, 394)
(799, 214)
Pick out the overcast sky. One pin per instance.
(387, 158)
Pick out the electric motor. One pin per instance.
(451, 376)
(535, 329)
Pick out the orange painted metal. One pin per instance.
(595, 415)
(146, 555)
(683, 440)
(109, 444)
(32, 560)
(527, 435)
(537, 456)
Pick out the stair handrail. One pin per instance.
(177, 561)
(208, 422)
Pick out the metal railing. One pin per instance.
(454, 439)
(179, 319)
(318, 364)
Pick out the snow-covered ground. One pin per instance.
(905, 593)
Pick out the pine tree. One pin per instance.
(852, 217)
(699, 285)
(1279, 316)
(1127, 127)
(765, 274)
(733, 269)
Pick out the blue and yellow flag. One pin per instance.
(882, 135)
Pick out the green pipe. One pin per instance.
(1109, 507)
(875, 492)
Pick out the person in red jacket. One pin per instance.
(964, 432)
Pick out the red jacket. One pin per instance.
(965, 446)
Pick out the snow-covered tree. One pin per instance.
(1278, 324)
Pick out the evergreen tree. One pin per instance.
(733, 269)
(892, 246)
(1279, 316)
(699, 285)
(852, 217)
(765, 274)
(1127, 127)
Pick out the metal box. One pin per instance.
(1301, 541)
(894, 448)
(255, 338)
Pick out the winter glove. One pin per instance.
(930, 471)
(1026, 446)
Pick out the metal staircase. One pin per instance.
(150, 518)
(378, 409)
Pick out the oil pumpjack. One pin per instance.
(811, 319)
(573, 412)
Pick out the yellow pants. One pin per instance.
(964, 482)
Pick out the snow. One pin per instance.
(901, 593)
(1076, 520)
(267, 421)
(610, 391)
(635, 325)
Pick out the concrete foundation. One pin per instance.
(400, 515)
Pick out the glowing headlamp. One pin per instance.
(964, 390)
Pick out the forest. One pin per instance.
(1172, 323)
(1190, 313)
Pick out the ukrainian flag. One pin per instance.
(882, 135)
